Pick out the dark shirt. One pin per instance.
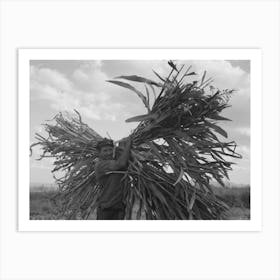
(111, 195)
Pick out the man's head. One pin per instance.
(105, 149)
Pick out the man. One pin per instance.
(111, 206)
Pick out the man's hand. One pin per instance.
(124, 147)
(127, 141)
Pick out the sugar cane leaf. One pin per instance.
(197, 212)
(192, 200)
(148, 98)
(191, 74)
(157, 152)
(128, 86)
(162, 117)
(203, 77)
(208, 187)
(150, 126)
(218, 117)
(217, 129)
(157, 193)
(218, 179)
(141, 118)
(153, 90)
(172, 65)
(180, 177)
(79, 115)
(159, 76)
(206, 83)
(136, 78)
(181, 134)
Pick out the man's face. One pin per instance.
(106, 152)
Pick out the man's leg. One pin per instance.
(110, 214)
(121, 213)
(107, 214)
(103, 214)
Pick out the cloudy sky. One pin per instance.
(57, 86)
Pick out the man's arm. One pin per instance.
(121, 162)
(123, 159)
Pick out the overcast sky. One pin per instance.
(67, 85)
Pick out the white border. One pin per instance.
(24, 57)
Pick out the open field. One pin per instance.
(238, 199)
(42, 207)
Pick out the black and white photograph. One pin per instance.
(141, 139)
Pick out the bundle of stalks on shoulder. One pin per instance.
(177, 151)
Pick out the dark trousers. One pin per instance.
(110, 213)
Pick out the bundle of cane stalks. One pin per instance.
(72, 144)
(177, 151)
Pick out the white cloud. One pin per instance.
(244, 131)
(244, 151)
(50, 77)
(87, 112)
(84, 94)
(89, 76)
(223, 73)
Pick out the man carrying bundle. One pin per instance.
(111, 205)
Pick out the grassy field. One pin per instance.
(42, 207)
(238, 199)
